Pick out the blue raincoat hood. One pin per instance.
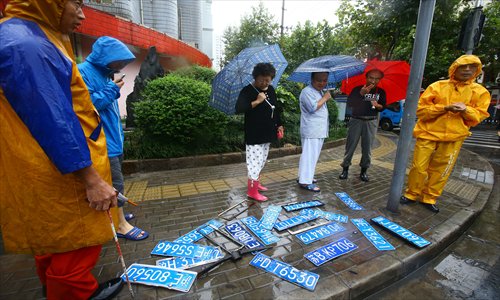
(107, 50)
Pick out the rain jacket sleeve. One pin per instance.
(105, 96)
(477, 111)
(30, 81)
(427, 108)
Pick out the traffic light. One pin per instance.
(472, 26)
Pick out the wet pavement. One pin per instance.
(172, 203)
(470, 267)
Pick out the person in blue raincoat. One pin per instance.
(108, 57)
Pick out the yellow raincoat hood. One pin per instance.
(42, 209)
(437, 124)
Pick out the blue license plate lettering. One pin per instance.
(294, 221)
(239, 233)
(319, 233)
(372, 235)
(301, 205)
(266, 236)
(304, 279)
(330, 251)
(174, 279)
(195, 235)
(402, 232)
(270, 217)
(349, 201)
(166, 248)
(330, 216)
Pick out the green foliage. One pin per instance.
(175, 111)
(256, 29)
(196, 72)
(308, 41)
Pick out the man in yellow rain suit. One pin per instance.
(446, 111)
(54, 168)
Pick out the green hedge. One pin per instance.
(174, 118)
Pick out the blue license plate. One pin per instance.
(270, 216)
(174, 279)
(330, 216)
(348, 201)
(319, 233)
(330, 251)
(166, 248)
(372, 235)
(304, 279)
(187, 262)
(266, 236)
(242, 235)
(301, 205)
(411, 237)
(195, 235)
(294, 221)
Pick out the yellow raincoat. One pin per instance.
(42, 209)
(440, 133)
(436, 124)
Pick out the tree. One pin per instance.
(385, 30)
(308, 41)
(256, 29)
(489, 47)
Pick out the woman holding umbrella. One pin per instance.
(262, 124)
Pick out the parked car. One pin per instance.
(392, 115)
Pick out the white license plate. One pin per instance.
(174, 279)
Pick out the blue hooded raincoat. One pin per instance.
(103, 91)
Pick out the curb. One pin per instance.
(163, 164)
(387, 269)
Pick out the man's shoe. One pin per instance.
(431, 207)
(404, 200)
(108, 289)
(345, 173)
(363, 176)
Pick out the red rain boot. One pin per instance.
(253, 191)
(260, 187)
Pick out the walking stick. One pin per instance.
(120, 254)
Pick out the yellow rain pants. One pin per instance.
(433, 163)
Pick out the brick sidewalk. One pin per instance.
(174, 202)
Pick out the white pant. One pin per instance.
(256, 159)
(311, 149)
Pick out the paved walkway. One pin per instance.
(174, 202)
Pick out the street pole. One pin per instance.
(424, 24)
(282, 18)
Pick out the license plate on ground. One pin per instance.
(166, 248)
(372, 235)
(348, 201)
(242, 235)
(270, 216)
(195, 235)
(301, 205)
(330, 216)
(266, 236)
(187, 262)
(330, 251)
(304, 279)
(319, 233)
(399, 230)
(294, 221)
(174, 279)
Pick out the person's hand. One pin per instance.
(375, 104)
(119, 82)
(100, 194)
(260, 98)
(456, 107)
(327, 95)
(366, 89)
